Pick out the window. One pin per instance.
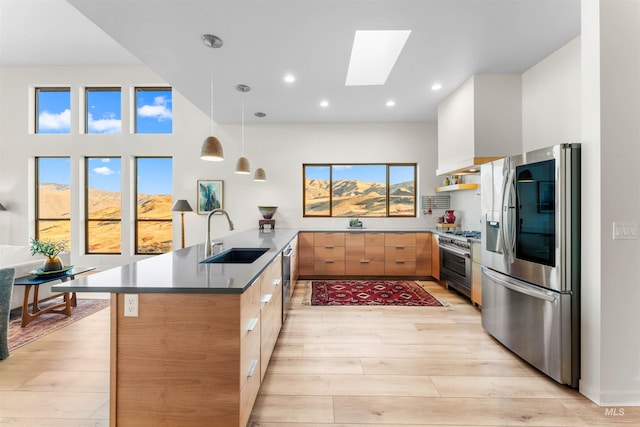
(103, 110)
(153, 110)
(53, 199)
(103, 205)
(53, 110)
(153, 205)
(359, 190)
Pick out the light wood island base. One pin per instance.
(184, 360)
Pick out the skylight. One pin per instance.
(373, 56)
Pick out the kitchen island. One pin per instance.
(190, 341)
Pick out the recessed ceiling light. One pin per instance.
(373, 55)
(324, 104)
(289, 78)
(390, 103)
(436, 86)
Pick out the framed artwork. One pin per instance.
(210, 195)
(546, 196)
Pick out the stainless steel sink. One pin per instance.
(236, 256)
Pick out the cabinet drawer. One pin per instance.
(250, 353)
(400, 253)
(399, 239)
(359, 268)
(335, 253)
(250, 308)
(374, 246)
(329, 268)
(400, 268)
(329, 239)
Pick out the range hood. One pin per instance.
(479, 122)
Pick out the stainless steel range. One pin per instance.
(455, 259)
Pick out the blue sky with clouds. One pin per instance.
(154, 111)
(154, 115)
(366, 173)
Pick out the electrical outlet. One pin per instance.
(131, 305)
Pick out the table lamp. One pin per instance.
(182, 206)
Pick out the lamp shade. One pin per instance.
(525, 176)
(260, 175)
(182, 206)
(2, 208)
(212, 150)
(242, 166)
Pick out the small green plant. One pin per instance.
(47, 248)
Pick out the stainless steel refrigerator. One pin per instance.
(531, 257)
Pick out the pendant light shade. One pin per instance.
(260, 176)
(242, 166)
(211, 147)
(212, 150)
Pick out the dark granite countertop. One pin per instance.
(181, 271)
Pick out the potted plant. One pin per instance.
(51, 251)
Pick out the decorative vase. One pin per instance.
(267, 212)
(449, 217)
(52, 264)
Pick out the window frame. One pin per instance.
(137, 89)
(37, 201)
(136, 220)
(36, 104)
(86, 207)
(387, 184)
(87, 108)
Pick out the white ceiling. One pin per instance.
(265, 39)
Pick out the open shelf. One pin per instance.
(456, 187)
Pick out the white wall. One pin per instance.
(279, 149)
(611, 65)
(551, 99)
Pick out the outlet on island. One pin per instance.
(131, 305)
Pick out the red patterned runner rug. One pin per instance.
(371, 292)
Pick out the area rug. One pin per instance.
(47, 323)
(371, 292)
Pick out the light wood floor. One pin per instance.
(332, 366)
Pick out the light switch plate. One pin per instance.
(625, 231)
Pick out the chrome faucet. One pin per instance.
(207, 243)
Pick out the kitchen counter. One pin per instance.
(181, 271)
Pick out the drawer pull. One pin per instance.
(400, 261)
(399, 247)
(329, 261)
(276, 282)
(252, 368)
(364, 261)
(252, 324)
(329, 247)
(266, 298)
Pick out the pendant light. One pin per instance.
(260, 175)
(211, 147)
(242, 166)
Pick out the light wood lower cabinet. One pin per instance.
(476, 275)
(329, 254)
(366, 253)
(400, 254)
(271, 311)
(306, 263)
(192, 359)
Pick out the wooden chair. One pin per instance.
(7, 275)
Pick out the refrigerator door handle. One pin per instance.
(515, 286)
(508, 238)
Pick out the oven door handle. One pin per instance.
(455, 251)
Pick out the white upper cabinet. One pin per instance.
(481, 121)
